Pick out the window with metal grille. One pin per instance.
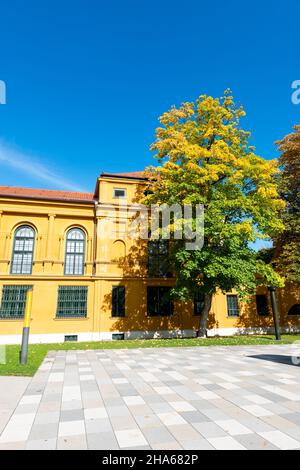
(13, 301)
(233, 309)
(262, 307)
(198, 303)
(118, 301)
(159, 301)
(72, 301)
(75, 252)
(158, 258)
(22, 258)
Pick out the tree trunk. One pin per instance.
(202, 332)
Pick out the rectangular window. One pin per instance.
(119, 193)
(158, 258)
(118, 336)
(71, 338)
(13, 301)
(233, 309)
(72, 302)
(198, 303)
(262, 305)
(159, 302)
(118, 301)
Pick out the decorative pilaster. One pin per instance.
(49, 251)
(48, 264)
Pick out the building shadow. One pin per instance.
(130, 270)
(277, 358)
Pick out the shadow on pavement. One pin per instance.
(279, 359)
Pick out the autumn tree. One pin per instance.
(204, 157)
(287, 245)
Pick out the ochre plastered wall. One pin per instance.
(111, 258)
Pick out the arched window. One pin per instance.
(23, 250)
(294, 310)
(75, 250)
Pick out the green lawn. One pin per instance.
(37, 352)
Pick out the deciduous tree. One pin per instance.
(205, 158)
(287, 245)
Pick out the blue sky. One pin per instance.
(86, 80)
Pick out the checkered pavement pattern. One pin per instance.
(236, 397)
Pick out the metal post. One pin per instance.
(275, 311)
(25, 336)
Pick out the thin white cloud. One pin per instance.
(25, 163)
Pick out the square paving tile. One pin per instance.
(167, 398)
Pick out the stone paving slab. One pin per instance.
(233, 397)
(11, 391)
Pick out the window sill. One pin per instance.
(160, 315)
(12, 319)
(71, 318)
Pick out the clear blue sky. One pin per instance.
(86, 80)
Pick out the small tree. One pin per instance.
(205, 158)
(287, 245)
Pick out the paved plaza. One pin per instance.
(236, 397)
(11, 391)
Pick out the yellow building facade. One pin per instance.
(91, 281)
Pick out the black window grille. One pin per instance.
(233, 309)
(158, 258)
(75, 252)
(22, 258)
(159, 302)
(198, 303)
(262, 307)
(72, 302)
(118, 301)
(13, 301)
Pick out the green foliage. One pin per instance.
(287, 254)
(205, 158)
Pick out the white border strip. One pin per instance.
(107, 335)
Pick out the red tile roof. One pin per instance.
(68, 196)
(49, 194)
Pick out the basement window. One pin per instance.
(71, 338)
(118, 336)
